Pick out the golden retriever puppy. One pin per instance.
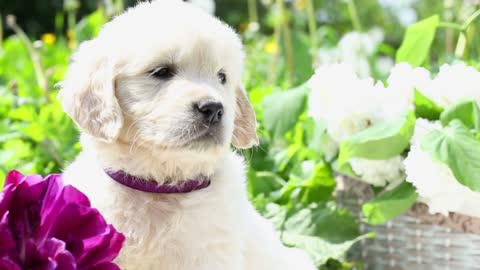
(159, 100)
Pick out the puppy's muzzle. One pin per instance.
(210, 111)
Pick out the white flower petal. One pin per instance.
(435, 182)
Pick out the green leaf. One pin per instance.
(315, 182)
(90, 26)
(301, 56)
(328, 223)
(282, 109)
(467, 111)
(390, 204)
(263, 182)
(378, 142)
(23, 113)
(417, 41)
(320, 250)
(2, 180)
(34, 131)
(458, 148)
(425, 107)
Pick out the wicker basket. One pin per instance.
(416, 240)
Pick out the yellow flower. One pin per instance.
(48, 38)
(71, 39)
(271, 47)
(300, 4)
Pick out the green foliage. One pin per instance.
(390, 204)
(468, 112)
(426, 108)
(289, 179)
(457, 147)
(90, 26)
(282, 109)
(380, 141)
(417, 41)
(35, 135)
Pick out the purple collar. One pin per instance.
(153, 187)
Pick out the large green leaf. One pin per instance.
(282, 109)
(381, 141)
(467, 111)
(390, 204)
(330, 224)
(425, 107)
(417, 41)
(458, 148)
(320, 250)
(310, 182)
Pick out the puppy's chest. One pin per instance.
(180, 232)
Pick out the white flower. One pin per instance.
(384, 64)
(347, 104)
(402, 9)
(354, 48)
(402, 82)
(207, 5)
(454, 83)
(379, 172)
(435, 182)
(404, 75)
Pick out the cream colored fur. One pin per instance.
(134, 122)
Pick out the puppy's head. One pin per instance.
(162, 74)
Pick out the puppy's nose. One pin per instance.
(212, 111)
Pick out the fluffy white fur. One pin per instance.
(143, 125)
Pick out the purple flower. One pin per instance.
(45, 225)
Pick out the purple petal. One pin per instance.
(13, 178)
(7, 264)
(102, 248)
(66, 261)
(55, 251)
(57, 197)
(7, 242)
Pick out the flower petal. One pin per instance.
(13, 178)
(7, 264)
(7, 242)
(102, 248)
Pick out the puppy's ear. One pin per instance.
(245, 131)
(88, 93)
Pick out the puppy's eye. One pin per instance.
(222, 76)
(163, 72)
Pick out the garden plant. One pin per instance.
(385, 93)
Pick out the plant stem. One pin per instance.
(119, 6)
(312, 25)
(455, 26)
(273, 60)
(71, 20)
(36, 61)
(252, 11)
(470, 19)
(352, 9)
(1, 31)
(287, 39)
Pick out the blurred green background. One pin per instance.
(289, 180)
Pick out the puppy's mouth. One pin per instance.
(203, 136)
